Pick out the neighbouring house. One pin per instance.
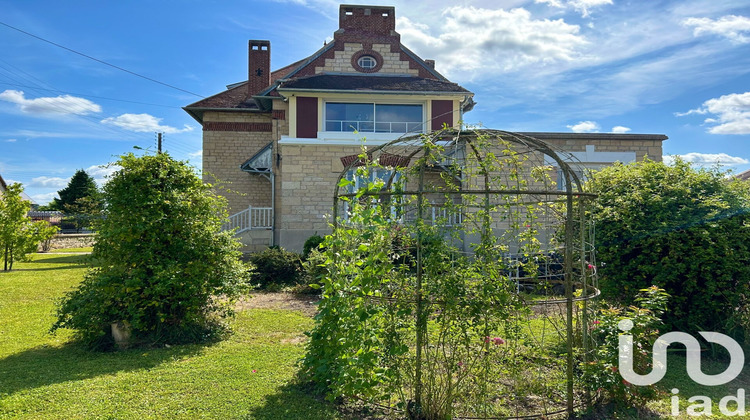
(744, 176)
(24, 196)
(52, 217)
(278, 141)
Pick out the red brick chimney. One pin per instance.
(376, 20)
(259, 67)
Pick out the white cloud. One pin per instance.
(101, 173)
(11, 140)
(732, 27)
(691, 112)
(585, 127)
(581, 6)
(474, 41)
(732, 113)
(48, 182)
(702, 159)
(620, 129)
(44, 198)
(196, 155)
(143, 123)
(64, 104)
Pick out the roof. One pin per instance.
(3, 184)
(594, 136)
(744, 176)
(347, 82)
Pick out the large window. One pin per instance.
(373, 118)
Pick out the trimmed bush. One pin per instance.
(276, 267)
(683, 229)
(312, 243)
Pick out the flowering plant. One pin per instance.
(602, 376)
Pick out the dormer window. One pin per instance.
(367, 62)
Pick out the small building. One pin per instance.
(280, 139)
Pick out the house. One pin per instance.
(276, 143)
(3, 186)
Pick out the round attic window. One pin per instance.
(367, 62)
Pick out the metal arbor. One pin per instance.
(487, 271)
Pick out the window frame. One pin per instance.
(372, 60)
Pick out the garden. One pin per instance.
(458, 282)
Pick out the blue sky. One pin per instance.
(680, 68)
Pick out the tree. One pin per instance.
(164, 267)
(19, 235)
(683, 229)
(80, 185)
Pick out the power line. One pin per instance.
(86, 95)
(100, 61)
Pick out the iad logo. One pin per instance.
(693, 365)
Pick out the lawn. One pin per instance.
(250, 375)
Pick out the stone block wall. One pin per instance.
(229, 139)
(306, 190)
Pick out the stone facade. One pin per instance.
(391, 61)
(225, 150)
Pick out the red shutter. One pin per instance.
(442, 113)
(307, 117)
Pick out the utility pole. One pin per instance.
(158, 136)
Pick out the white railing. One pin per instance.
(374, 127)
(251, 218)
(445, 216)
(436, 214)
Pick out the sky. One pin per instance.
(121, 71)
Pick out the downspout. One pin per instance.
(273, 206)
(274, 163)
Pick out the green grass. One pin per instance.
(63, 250)
(250, 375)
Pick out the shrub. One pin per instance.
(164, 267)
(312, 243)
(682, 229)
(276, 267)
(19, 235)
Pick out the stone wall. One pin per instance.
(73, 240)
(306, 190)
(226, 148)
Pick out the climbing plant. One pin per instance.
(423, 306)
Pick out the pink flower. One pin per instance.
(460, 364)
(597, 322)
(591, 267)
(498, 341)
(254, 371)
